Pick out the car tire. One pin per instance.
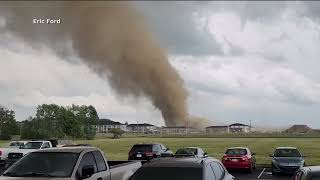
(250, 170)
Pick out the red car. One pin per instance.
(239, 158)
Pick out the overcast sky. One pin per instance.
(240, 61)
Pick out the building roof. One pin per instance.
(217, 126)
(108, 122)
(172, 127)
(238, 124)
(143, 124)
(299, 128)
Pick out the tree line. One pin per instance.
(54, 121)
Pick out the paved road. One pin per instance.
(259, 173)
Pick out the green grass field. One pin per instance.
(117, 149)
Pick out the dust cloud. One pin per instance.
(112, 39)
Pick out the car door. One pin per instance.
(164, 150)
(252, 157)
(200, 153)
(102, 169)
(218, 172)
(88, 159)
(208, 173)
(157, 149)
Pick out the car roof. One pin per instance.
(139, 144)
(178, 162)
(77, 149)
(286, 148)
(39, 141)
(238, 148)
(190, 148)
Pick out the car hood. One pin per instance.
(24, 151)
(289, 161)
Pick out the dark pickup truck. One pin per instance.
(69, 163)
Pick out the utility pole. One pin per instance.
(250, 126)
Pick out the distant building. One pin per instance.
(178, 130)
(104, 125)
(217, 129)
(239, 128)
(299, 129)
(143, 128)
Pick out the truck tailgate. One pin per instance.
(122, 170)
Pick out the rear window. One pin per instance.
(192, 151)
(287, 153)
(141, 148)
(168, 173)
(236, 152)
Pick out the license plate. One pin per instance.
(235, 160)
(139, 155)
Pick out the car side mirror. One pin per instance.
(167, 149)
(87, 171)
(253, 154)
(271, 155)
(304, 156)
(205, 154)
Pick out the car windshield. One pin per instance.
(236, 152)
(187, 151)
(32, 145)
(287, 153)
(168, 173)
(46, 164)
(141, 148)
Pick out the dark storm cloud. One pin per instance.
(173, 23)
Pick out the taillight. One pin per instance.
(244, 158)
(130, 153)
(225, 158)
(149, 154)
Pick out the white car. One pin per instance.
(12, 146)
(30, 146)
(191, 151)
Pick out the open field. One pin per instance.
(117, 149)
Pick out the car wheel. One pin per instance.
(251, 170)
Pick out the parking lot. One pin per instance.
(259, 173)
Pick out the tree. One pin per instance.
(116, 132)
(8, 124)
(53, 121)
(50, 120)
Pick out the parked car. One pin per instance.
(146, 152)
(286, 160)
(307, 173)
(12, 146)
(191, 151)
(30, 146)
(70, 163)
(239, 158)
(182, 169)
